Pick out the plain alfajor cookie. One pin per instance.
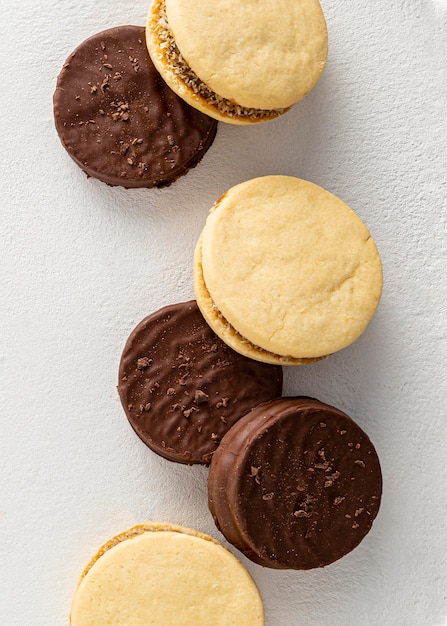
(182, 387)
(296, 484)
(240, 62)
(162, 574)
(285, 272)
(118, 119)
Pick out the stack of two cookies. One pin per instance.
(285, 273)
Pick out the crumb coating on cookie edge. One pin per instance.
(176, 63)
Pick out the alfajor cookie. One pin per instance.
(118, 119)
(162, 574)
(285, 272)
(240, 62)
(182, 387)
(296, 484)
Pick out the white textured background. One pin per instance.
(82, 263)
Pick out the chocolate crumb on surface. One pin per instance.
(200, 397)
(143, 363)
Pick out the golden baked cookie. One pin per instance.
(239, 62)
(286, 272)
(165, 575)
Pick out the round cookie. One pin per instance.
(182, 387)
(168, 575)
(117, 118)
(240, 62)
(285, 272)
(296, 484)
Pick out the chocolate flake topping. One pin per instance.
(254, 473)
(223, 403)
(301, 513)
(144, 363)
(305, 508)
(338, 500)
(200, 397)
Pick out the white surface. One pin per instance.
(82, 263)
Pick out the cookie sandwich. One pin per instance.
(285, 272)
(182, 387)
(118, 119)
(239, 62)
(296, 484)
(165, 574)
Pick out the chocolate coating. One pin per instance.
(295, 484)
(182, 387)
(118, 119)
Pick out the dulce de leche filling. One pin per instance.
(174, 59)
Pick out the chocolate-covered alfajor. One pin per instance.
(182, 387)
(240, 62)
(295, 484)
(118, 119)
